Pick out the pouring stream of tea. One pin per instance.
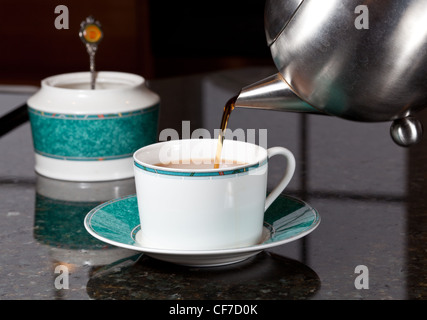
(224, 122)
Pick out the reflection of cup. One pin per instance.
(266, 276)
(81, 134)
(204, 209)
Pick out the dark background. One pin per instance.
(153, 38)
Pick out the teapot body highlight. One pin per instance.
(329, 63)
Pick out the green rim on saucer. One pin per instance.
(117, 222)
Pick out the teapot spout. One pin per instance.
(272, 93)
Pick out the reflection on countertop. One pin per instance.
(265, 276)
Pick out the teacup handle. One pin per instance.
(289, 172)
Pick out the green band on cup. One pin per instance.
(201, 174)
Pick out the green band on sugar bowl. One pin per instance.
(93, 137)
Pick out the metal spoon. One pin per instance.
(91, 34)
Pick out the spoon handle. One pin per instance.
(91, 34)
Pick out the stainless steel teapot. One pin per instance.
(364, 63)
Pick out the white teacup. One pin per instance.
(204, 209)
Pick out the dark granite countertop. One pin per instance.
(370, 193)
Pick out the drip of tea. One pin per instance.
(224, 122)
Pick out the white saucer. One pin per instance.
(117, 222)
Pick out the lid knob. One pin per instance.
(406, 131)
